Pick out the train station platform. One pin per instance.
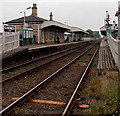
(39, 46)
(26, 50)
(14, 52)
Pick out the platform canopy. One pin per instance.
(54, 23)
(103, 28)
(77, 30)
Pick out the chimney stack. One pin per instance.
(34, 10)
(51, 16)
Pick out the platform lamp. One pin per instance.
(25, 13)
(23, 41)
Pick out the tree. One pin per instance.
(90, 33)
(96, 34)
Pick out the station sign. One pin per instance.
(9, 28)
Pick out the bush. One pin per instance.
(97, 96)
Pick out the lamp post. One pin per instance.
(25, 13)
(23, 41)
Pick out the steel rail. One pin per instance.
(27, 95)
(34, 61)
(73, 97)
(30, 70)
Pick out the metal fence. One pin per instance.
(114, 45)
(9, 42)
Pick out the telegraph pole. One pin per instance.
(107, 24)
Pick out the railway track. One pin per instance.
(26, 68)
(72, 99)
(25, 82)
(77, 66)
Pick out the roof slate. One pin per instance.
(28, 19)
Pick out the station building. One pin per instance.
(76, 33)
(45, 30)
(114, 30)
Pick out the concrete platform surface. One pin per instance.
(38, 46)
(35, 47)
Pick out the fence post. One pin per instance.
(118, 15)
(3, 40)
(119, 20)
(18, 39)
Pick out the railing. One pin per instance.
(9, 42)
(114, 45)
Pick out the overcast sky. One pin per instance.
(86, 14)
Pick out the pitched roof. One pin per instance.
(77, 30)
(28, 19)
(54, 23)
(103, 28)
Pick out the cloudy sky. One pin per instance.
(86, 14)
